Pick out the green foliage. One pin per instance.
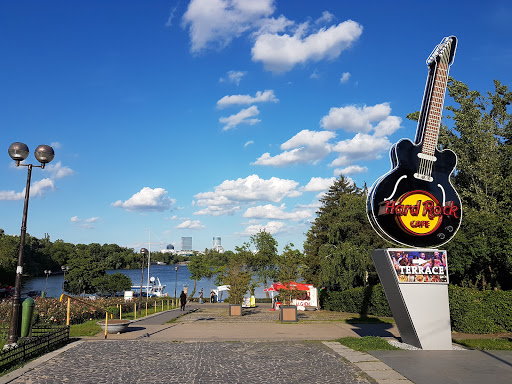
(110, 284)
(369, 300)
(262, 263)
(366, 343)
(237, 276)
(474, 311)
(487, 344)
(289, 264)
(340, 240)
(471, 310)
(480, 254)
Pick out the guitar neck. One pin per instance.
(433, 121)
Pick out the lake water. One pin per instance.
(166, 274)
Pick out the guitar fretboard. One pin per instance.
(441, 61)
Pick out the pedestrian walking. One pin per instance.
(183, 299)
(201, 296)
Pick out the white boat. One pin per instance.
(150, 290)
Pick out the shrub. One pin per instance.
(369, 300)
(471, 310)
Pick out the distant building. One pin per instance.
(186, 243)
(217, 244)
(169, 249)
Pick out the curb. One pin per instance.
(373, 367)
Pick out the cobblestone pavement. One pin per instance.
(147, 362)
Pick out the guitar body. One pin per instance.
(399, 184)
(415, 204)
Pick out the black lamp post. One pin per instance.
(47, 272)
(175, 282)
(64, 269)
(19, 152)
(143, 251)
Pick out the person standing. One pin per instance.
(212, 297)
(201, 296)
(183, 300)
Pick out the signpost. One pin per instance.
(414, 204)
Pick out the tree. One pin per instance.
(111, 284)
(289, 264)
(480, 133)
(83, 269)
(237, 275)
(340, 240)
(262, 263)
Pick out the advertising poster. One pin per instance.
(419, 265)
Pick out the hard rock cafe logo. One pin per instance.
(418, 212)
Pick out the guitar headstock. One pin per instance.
(447, 46)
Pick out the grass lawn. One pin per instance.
(366, 343)
(487, 344)
(89, 328)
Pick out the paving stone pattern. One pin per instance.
(149, 362)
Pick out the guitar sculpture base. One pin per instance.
(420, 307)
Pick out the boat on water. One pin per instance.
(150, 290)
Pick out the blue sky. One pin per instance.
(217, 117)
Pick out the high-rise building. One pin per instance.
(217, 244)
(186, 243)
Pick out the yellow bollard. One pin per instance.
(106, 323)
(68, 311)
(155, 307)
(162, 305)
(135, 312)
(146, 308)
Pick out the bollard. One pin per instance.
(135, 311)
(26, 316)
(162, 305)
(146, 308)
(155, 307)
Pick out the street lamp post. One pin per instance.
(19, 152)
(47, 272)
(175, 282)
(64, 269)
(143, 251)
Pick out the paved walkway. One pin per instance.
(207, 346)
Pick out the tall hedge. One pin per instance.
(471, 310)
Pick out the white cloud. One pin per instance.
(361, 147)
(388, 126)
(85, 223)
(350, 170)
(233, 77)
(355, 119)
(242, 117)
(270, 211)
(216, 210)
(37, 188)
(326, 17)
(260, 97)
(58, 171)
(271, 227)
(345, 77)
(317, 184)
(152, 200)
(272, 25)
(171, 17)
(314, 75)
(280, 53)
(230, 194)
(248, 143)
(214, 23)
(305, 147)
(190, 224)
(55, 145)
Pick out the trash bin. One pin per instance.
(26, 316)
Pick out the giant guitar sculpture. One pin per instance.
(415, 204)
